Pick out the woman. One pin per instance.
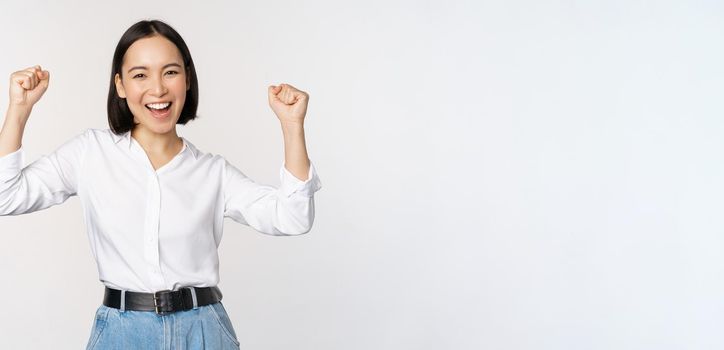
(154, 204)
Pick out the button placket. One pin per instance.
(153, 211)
(153, 215)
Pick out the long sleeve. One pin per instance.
(283, 211)
(48, 181)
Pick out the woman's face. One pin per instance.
(154, 83)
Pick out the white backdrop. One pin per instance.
(497, 174)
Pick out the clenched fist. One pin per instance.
(288, 103)
(27, 86)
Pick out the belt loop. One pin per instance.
(123, 300)
(193, 296)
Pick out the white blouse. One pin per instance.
(152, 230)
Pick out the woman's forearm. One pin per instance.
(295, 150)
(11, 135)
(27, 86)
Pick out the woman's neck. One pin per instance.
(156, 143)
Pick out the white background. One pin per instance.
(497, 174)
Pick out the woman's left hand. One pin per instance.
(288, 103)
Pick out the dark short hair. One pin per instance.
(120, 117)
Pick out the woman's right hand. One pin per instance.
(27, 86)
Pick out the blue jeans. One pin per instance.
(206, 327)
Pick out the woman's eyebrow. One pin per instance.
(164, 67)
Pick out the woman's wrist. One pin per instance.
(18, 113)
(296, 126)
(11, 134)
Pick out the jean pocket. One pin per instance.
(99, 324)
(224, 322)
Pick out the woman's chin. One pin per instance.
(159, 128)
(164, 129)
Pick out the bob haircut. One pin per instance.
(120, 117)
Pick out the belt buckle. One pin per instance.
(156, 306)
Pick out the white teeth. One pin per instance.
(158, 105)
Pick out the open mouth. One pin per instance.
(159, 110)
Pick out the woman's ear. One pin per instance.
(119, 86)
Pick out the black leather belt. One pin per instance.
(162, 302)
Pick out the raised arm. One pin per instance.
(27, 86)
(288, 209)
(290, 106)
(49, 180)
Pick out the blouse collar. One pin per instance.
(125, 140)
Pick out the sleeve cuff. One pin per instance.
(291, 184)
(11, 164)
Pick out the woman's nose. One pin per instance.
(159, 87)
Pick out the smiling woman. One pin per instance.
(152, 74)
(153, 86)
(151, 60)
(154, 203)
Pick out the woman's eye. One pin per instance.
(140, 75)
